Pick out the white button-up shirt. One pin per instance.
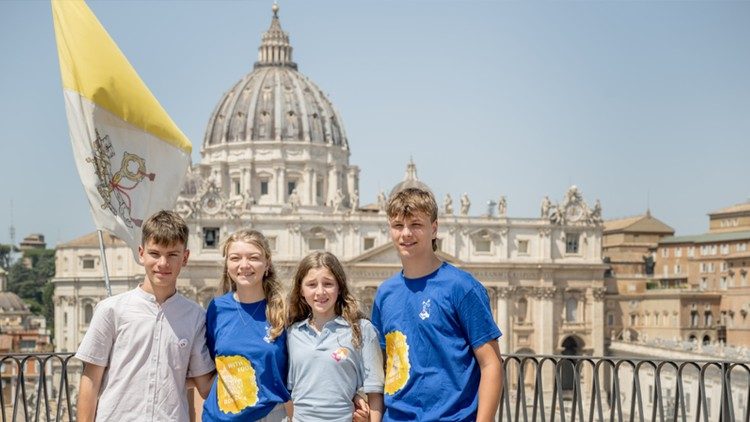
(149, 351)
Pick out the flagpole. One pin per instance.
(104, 263)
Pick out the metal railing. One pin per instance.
(43, 387)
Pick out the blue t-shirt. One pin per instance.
(251, 369)
(429, 327)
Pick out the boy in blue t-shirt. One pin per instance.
(436, 326)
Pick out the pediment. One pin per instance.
(386, 255)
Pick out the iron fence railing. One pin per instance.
(43, 387)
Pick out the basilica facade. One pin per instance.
(275, 157)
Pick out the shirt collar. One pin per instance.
(339, 320)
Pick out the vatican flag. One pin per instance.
(131, 156)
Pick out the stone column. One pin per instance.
(544, 321)
(310, 191)
(504, 294)
(597, 320)
(333, 183)
(280, 185)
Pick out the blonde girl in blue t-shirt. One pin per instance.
(333, 349)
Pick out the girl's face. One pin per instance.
(320, 290)
(246, 264)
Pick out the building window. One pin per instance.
(691, 251)
(610, 319)
(319, 190)
(571, 310)
(210, 237)
(633, 320)
(88, 313)
(704, 283)
(369, 243)
(723, 283)
(521, 310)
(236, 186)
(316, 244)
(714, 249)
(664, 253)
(678, 252)
(693, 318)
(291, 186)
(708, 319)
(677, 269)
(523, 247)
(482, 245)
(264, 187)
(271, 243)
(724, 266)
(711, 267)
(88, 263)
(571, 242)
(27, 345)
(724, 249)
(741, 247)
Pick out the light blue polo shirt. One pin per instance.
(325, 370)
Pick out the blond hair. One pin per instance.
(346, 305)
(275, 308)
(411, 201)
(165, 228)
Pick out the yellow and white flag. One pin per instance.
(131, 156)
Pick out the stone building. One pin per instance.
(698, 292)
(629, 247)
(275, 157)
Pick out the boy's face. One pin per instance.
(163, 263)
(412, 235)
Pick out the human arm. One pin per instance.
(491, 380)
(88, 392)
(361, 409)
(375, 401)
(202, 383)
(289, 407)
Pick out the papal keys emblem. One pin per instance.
(115, 189)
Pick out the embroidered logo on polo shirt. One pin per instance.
(425, 309)
(182, 343)
(340, 354)
(237, 388)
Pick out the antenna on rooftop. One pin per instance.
(12, 228)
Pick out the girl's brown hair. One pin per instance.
(346, 305)
(275, 308)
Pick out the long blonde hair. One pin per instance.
(346, 305)
(275, 308)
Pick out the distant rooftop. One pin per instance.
(91, 240)
(739, 208)
(707, 238)
(644, 223)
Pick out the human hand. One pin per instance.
(361, 409)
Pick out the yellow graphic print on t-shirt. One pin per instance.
(397, 363)
(237, 388)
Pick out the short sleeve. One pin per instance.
(100, 336)
(476, 317)
(200, 360)
(372, 359)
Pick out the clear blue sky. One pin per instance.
(636, 102)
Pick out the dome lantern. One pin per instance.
(275, 49)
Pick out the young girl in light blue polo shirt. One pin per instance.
(333, 349)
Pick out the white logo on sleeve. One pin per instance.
(425, 310)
